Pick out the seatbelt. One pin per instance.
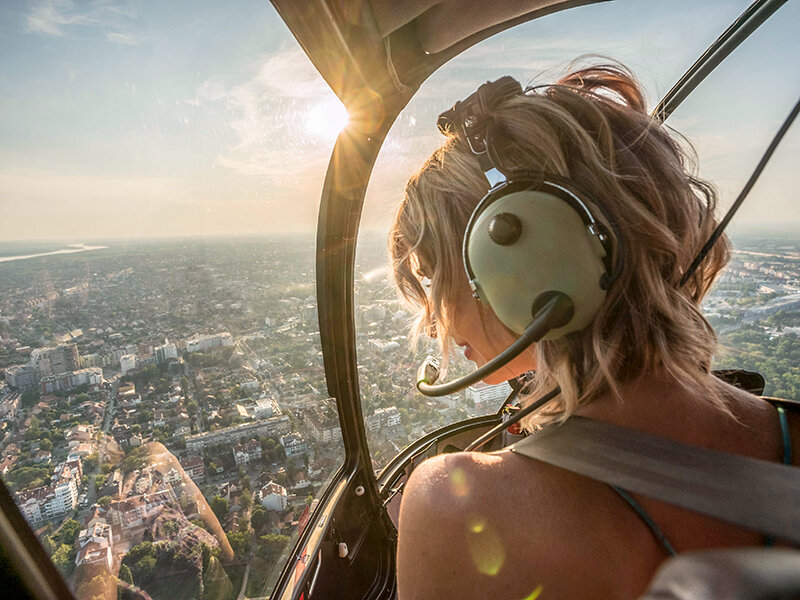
(751, 493)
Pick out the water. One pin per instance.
(8, 253)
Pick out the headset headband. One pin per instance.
(471, 118)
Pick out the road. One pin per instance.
(244, 583)
(91, 495)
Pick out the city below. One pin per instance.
(165, 419)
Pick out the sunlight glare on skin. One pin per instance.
(327, 118)
(458, 482)
(485, 548)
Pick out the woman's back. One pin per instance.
(503, 525)
(582, 161)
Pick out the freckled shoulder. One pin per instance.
(498, 525)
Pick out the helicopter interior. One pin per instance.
(381, 59)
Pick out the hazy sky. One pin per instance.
(132, 119)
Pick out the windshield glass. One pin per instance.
(730, 119)
(165, 423)
(657, 40)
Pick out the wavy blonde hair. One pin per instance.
(592, 128)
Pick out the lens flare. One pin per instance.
(327, 118)
(535, 593)
(458, 482)
(485, 548)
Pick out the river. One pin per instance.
(72, 249)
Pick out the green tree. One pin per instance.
(259, 518)
(219, 506)
(69, 531)
(125, 574)
(271, 545)
(63, 559)
(240, 542)
(29, 398)
(144, 569)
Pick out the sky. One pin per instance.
(141, 119)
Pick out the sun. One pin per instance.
(327, 118)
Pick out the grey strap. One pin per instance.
(752, 493)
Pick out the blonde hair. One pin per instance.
(592, 128)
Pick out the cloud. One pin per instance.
(127, 39)
(58, 17)
(267, 114)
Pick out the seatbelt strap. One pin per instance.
(751, 493)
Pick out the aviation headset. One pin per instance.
(533, 251)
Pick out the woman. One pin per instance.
(499, 525)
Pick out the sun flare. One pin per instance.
(327, 118)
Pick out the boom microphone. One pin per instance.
(556, 311)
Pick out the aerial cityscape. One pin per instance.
(166, 425)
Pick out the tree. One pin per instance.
(259, 518)
(46, 444)
(69, 531)
(219, 506)
(90, 463)
(62, 559)
(125, 574)
(247, 499)
(29, 398)
(271, 545)
(144, 569)
(240, 542)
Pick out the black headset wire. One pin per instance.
(742, 195)
(521, 414)
(555, 313)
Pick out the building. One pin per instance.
(165, 352)
(9, 405)
(263, 408)
(127, 363)
(173, 477)
(193, 466)
(144, 479)
(204, 343)
(54, 500)
(134, 511)
(247, 453)
(274, 497)
(273, 426)
(323, 422)
(22, 377)
(488, 398)
(91, 360)
(112, 486)
(95, 545)
(53, 361)
(294, 445)
(382, 419)
(120, 352)
(92, 377)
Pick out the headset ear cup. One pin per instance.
(553, 250)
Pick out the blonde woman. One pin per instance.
(499, 525)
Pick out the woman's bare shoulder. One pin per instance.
(476, 525)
